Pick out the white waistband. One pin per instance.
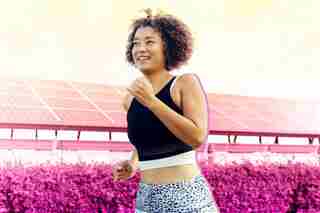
(180, 159)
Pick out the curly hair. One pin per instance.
(177, 38)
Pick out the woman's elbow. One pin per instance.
(199, 139)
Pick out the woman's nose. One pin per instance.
(141, 48)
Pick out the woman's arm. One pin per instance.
(127, 99)
(134, 157)
(192, 126)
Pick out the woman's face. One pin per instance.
(147, 50)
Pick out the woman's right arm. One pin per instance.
(134, 158)
(127, 99)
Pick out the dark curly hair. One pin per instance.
(177, 38)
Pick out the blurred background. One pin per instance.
(259, 48)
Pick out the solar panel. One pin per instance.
(88, 105)
(263, 116)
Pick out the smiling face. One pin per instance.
(148, 50)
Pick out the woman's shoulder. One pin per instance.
(187, 75)
(185, 80)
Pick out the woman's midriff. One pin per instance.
(170, 174)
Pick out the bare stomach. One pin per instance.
(171, 174)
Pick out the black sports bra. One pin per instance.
(151, 138)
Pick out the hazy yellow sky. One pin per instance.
(260, 47)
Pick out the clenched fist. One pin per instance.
(123, 170)
(143, 91)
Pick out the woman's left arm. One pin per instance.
(192, 126)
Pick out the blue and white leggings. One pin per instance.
(192, 196)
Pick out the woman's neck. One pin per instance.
(158, 79)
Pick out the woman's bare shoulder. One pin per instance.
(185, 80)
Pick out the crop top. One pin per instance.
(151, 138)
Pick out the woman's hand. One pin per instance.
(143, 91)
(123, 170)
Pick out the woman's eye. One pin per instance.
(149, 42)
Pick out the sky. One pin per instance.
(255, 48)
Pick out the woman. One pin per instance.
(167, 120)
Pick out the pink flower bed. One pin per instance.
(267, 188)
(89, 188)
(65, 188)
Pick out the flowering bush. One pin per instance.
(65, 188)
(265, 188)
(90, 188)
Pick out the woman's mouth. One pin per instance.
(143, 58)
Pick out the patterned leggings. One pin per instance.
(191, 196)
